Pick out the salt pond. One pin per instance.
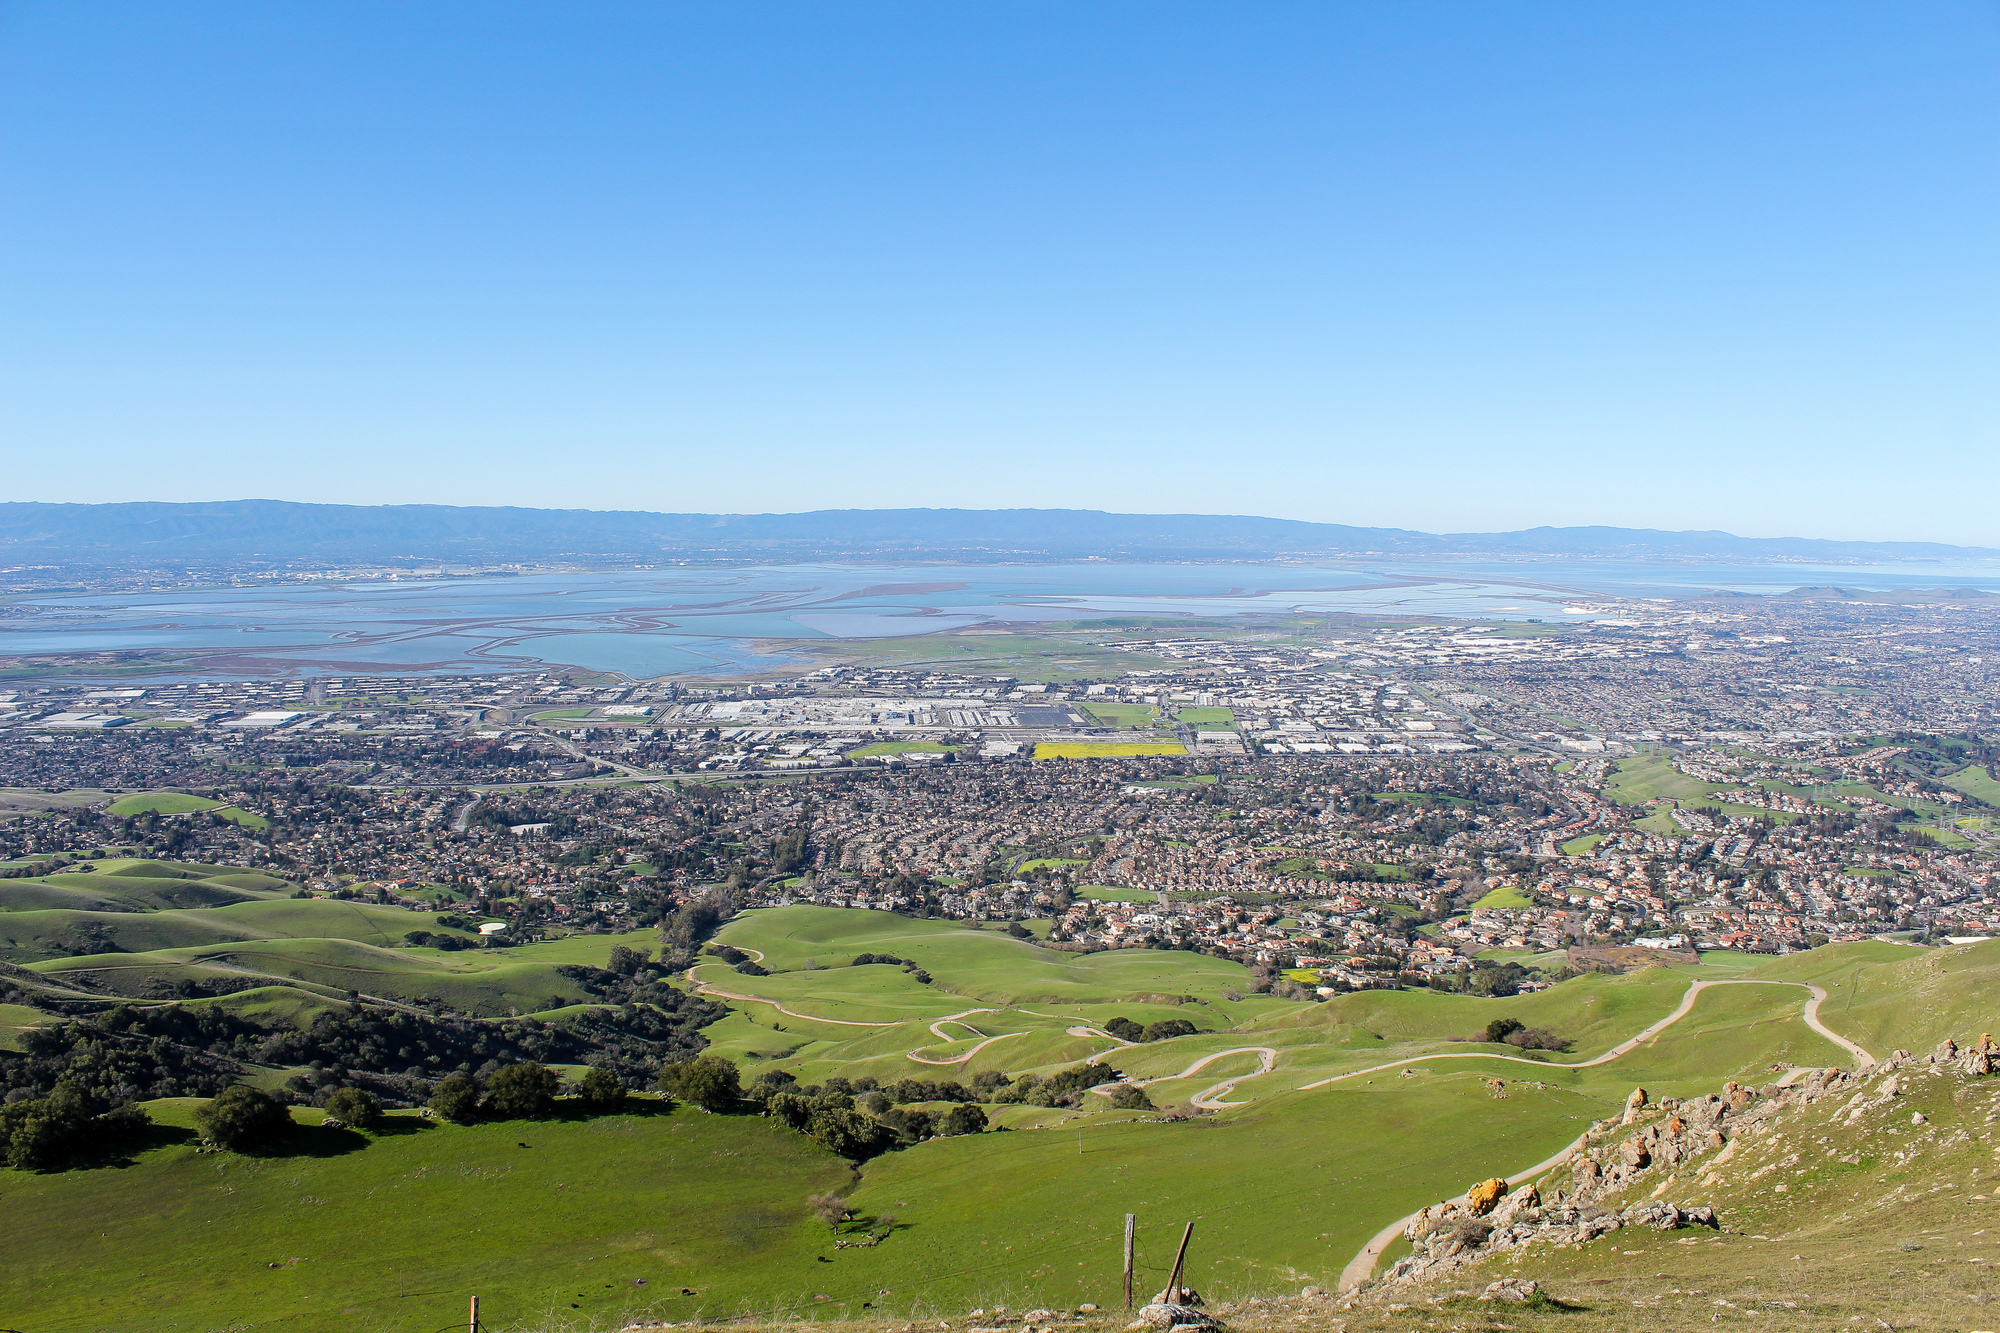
(647, 622)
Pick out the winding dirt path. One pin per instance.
(1208, 1099)
(704, 988)
(1695, 988)
(1362, 1267)
(937, 1029)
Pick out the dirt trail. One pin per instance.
(1362, 1266)
(1209, 1098)
(1695, 988)
(937, 1030)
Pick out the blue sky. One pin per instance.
(1443, 266)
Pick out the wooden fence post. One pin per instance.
(1174, 1282)
(1129, 1220)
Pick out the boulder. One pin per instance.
(1634, 1154)
(1162, 1315)
(1482, 1198)
(1427, 1221)
(1633, 1105)
(1519, 1201)
(1512, 1289)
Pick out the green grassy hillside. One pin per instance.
(395, 1232)
(488, 985)
(118, 885)
(28, 935)
(1895, 996)
(982, 966)
(1297, 1167)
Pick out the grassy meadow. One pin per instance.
(585, 1222)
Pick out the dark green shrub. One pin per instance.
(1131, 1097)
(456, 1098)
(242, 1117)
(962, 1120)
(1125, 1030)
(709, 1081)
(524, 1091)
(601, 1090)
(352, 1106)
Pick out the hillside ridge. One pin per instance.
(279, 532)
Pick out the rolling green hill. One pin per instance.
(472, 983)
(1301, 1127)
(27, 935)
(119, 885)
(394, 1231)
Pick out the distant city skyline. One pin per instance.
(1454, 268)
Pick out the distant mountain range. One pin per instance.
(280, 534)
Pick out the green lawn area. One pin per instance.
(1103, 749)
(1122, 715)
(883, 749)
(1977, 783)
(1661, 822)
(560, 714)
(160, 803)
(243, 818)
(1208, 719)
(1581, 846)
(1051, 861)
(1108, 893)
(1642, 778)
(1505, 897)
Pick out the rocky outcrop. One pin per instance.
(1162, 1315)
(1447, 1241)
(1621, 1173)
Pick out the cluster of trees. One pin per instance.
(398, 1056)
(1126, 1030)
(861, 1118)
(1516, 1033)
(858, 1118)
(424, 939)
(1065, 1087)
(522, 1091)
(908, 965)
(741, 961)
(42, 1133)
(129, 1055)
